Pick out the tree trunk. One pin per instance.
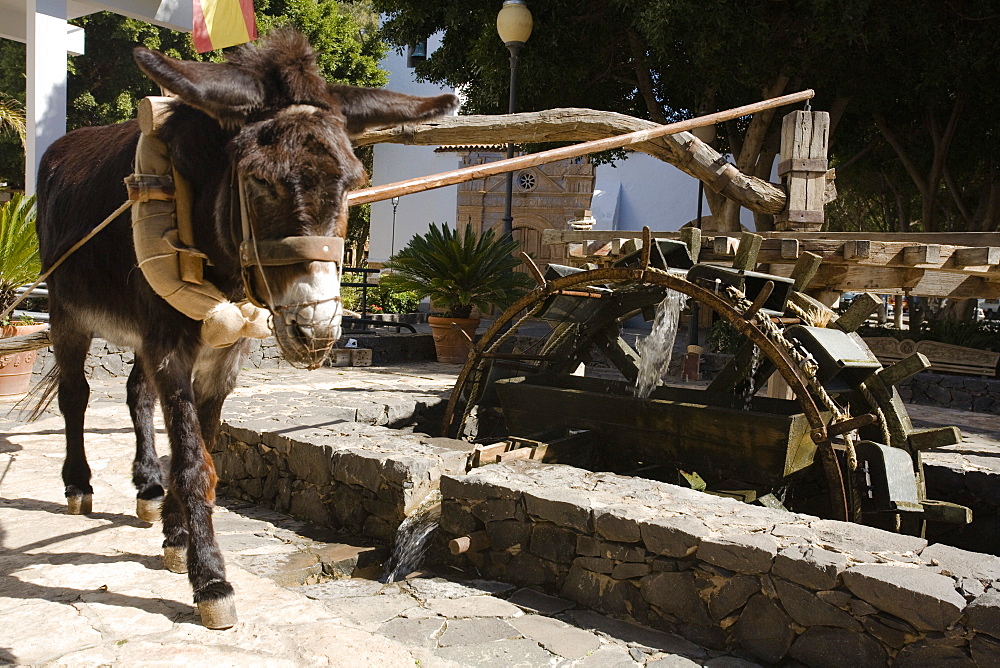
(559, 125)
(749, 157)
(928, 184)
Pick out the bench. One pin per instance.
(944, 357)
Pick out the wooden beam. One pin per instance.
(854, 249)
(858, 312)
(746, 254)
(865, 253)
(682, 149)
(904, 368)
(790, 249)
(692, 237)
(976, 256)
(805, 268)
(924, 254)
(893, 281)
(942, 238)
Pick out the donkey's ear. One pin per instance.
(367, 108)
(223, 91)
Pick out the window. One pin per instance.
(526, 181)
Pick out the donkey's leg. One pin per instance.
(70, 350)
(191, 489)
(215, 376)
(147, 475)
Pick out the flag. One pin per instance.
(222, 23)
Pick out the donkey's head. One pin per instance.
(293, 165)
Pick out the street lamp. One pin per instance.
(693, 358)
(392, 242)
(514, 28)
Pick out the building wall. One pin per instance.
(642, 190)
(542, 197)
(394, 162)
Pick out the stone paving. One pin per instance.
(90, 590)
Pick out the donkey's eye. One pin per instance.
(265, 186)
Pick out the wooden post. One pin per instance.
(803, 168)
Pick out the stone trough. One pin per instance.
(778, 585)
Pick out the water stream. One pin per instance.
(413, 538)
(656, 349)
(750, 388)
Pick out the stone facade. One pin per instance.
(543, 197)
(780, 586)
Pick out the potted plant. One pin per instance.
(459, 272)
(19, 264)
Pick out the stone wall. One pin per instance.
(724, 574)
(964, 393)
(106, 360)
(350, 474)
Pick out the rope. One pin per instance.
(72, 249)
(807, 364)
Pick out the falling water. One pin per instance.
(750, 388)
(655, 350)
(413, 538)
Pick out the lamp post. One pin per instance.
(392, 241)
(692, 360)
(514, 27)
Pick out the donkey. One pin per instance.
(264, 126)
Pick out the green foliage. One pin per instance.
(12, 117)
(105, 86)
(381, 299)
(458, 270)
(19, 262)
(723, 337)
(908, 61)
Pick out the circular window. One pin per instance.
(526, 181)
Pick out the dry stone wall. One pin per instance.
(724, 574)
(964, 393)
(106, 360)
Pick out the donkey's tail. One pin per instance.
(40, 397)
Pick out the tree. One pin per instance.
(104, 85)
(668, 60)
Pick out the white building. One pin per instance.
(395, 162)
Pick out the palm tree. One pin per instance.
(12, 116)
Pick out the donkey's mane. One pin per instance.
(287, 63)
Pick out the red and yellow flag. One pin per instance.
(222, 23)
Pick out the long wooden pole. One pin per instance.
(422, 183)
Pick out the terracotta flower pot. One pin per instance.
(15, 368)
(452, 346)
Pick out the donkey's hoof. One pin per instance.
(219, 613)
(80, 504)
(149, 510)
(175, 559)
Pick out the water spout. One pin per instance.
(413, 538)
(656, 349)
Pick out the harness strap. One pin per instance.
(292, 250)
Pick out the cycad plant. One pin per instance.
(461, 271)
(19, 263)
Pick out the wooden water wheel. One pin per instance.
(842, 446)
